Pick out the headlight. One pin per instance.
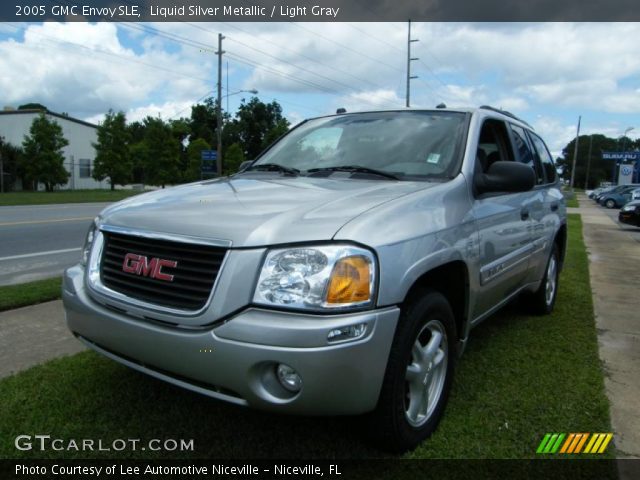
(323, 277)
(88, 241)
(628, 208)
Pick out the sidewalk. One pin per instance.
(614, 267)
(33, 335)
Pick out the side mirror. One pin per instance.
(505, 177)
(244, 165)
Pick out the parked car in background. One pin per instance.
(630, 213)
(617, 197)
(600, 191)
(635, 194)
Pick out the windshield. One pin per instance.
(406, 145)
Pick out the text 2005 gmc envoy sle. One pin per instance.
(340, 273)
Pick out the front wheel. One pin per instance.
(418, 376)
(610, 203)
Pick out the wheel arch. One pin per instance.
(451, 280)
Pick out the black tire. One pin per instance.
(610, 203)
(425, 316)
(542, 301)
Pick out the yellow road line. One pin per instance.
(35, 222)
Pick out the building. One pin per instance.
(79, 154)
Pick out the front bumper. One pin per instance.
(235, 361)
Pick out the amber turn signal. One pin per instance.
(350, 281)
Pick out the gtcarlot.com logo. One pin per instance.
(574, 443)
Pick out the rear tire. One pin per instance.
(419, 374)
(543, 300)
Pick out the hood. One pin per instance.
(257, 210)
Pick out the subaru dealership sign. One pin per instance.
(621, 156)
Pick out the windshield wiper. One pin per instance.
(274, 167)
(355, 169)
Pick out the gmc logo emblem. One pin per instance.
(141, 265)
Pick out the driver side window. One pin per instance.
(493, 145)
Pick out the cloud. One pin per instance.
(84, 69)
(545, 72)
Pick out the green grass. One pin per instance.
(573, 202)
(520, 378)
(14, 296)
(66, 196)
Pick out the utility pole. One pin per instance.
(409, 60)
(586, 181)
(220, 52)
(1, 174)
(575, 155)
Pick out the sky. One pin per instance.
(548, 74)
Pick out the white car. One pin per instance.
(635, 194)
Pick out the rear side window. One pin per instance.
(525, 152)
(545, 157)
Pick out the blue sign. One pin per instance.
(208, 154)
(208, 166)
(621, 156)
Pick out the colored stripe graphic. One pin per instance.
(543, 443)
(573, 443)
(598, 443)
(581, 443)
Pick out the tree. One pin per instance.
(32, 106)
(204, 121)
(113, 158)
(233, 157)
(43, 158)
(160, 152)
(192, 173)
(11, 165)
(255, 126)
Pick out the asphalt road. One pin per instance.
(40, 241)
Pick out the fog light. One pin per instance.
(289, 378)
(347, 333)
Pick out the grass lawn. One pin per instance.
(14, 296)
(520, 378)
(66, 196)
(573, 202)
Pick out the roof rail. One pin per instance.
(504, 112)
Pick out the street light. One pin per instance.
(221, 121)
(254, 91)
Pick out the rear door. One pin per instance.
(536, 198)
(553, 205)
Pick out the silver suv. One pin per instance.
(340, 273)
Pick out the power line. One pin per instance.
(395, 68)
(250, 62)
(301, 55)
(104, 52)
(322, 88)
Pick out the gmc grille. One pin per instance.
(193, 277)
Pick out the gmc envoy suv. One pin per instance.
(340, 273)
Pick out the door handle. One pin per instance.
(554, 206)
(524, 214)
